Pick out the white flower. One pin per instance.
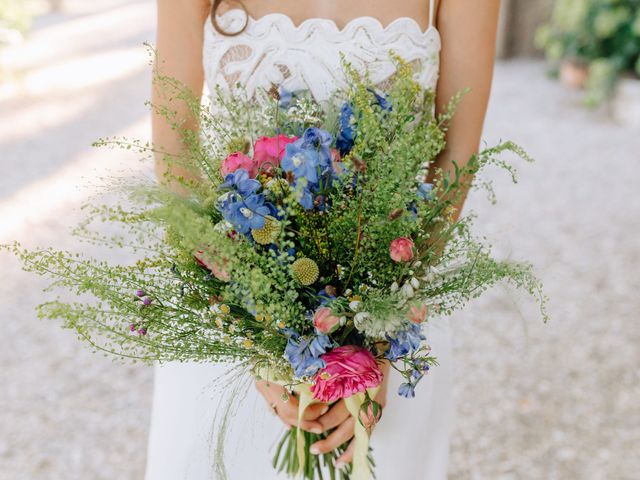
(415, 283)
(360, 318)
(407, 290)
(355, 305)
(394, 287)
(223, 226)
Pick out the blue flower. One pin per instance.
(347, 132)
(349, 125)
(320, 140)
(286, 97)
(241, 183)
(319, 345)
(304, 356)
(324, 298)
(405, 342)
(407, 390)
(412, 207)
(306, 199)
(381, 100)
(425, 191)
(302, 162)
(247, 213)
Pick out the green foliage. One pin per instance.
(603, 35)
(201, 291)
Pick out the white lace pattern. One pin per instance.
(272, 50)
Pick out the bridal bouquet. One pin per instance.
(311, 250)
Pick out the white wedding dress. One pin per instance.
(412, 439)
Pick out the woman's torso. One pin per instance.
(301, 46)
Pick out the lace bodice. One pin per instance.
(272, 50)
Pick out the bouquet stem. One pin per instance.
(316, 467)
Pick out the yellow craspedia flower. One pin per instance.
(267, 234)
(225, 309)
(247, 343)
(280, 324)
(305, 271)
(259, 317)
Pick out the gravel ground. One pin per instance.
(557, 401)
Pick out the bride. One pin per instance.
(298, 44)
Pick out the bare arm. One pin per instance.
(468, 30)
(179, 56)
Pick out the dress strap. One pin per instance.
(432, 13)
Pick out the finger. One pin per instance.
(336, 438)
(290, 417)
(336, 415)
(313, 412)
(288, 413)
(347, 456)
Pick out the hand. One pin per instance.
(285, 405)
(338, 417)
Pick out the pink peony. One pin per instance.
(349, 370)
(417, 314)
(238, 160)
(268, 151)
(401, 249)
(325, 321)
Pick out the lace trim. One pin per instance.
(400, 23)
(273, 49)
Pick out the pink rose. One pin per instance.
(349, 370)
(401, 249)
(325, 321)
(238, 160)
(417, 314)
(214, 267)
(268, 151)
(370, 415)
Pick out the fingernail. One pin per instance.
(314, 449)
(316, 430)
(340, 465)
(324, 410)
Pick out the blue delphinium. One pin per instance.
(325, 297)
(347, 131)
(306, 198)
(320, 140)
(247, 213)
(348, 123)
(285, 97)
(319, 345)
(404, 342)
(240, 182)
(304, 355)
(425, 191)
(381, 100)
(309, 159)
(302, 161)
(407, 390)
